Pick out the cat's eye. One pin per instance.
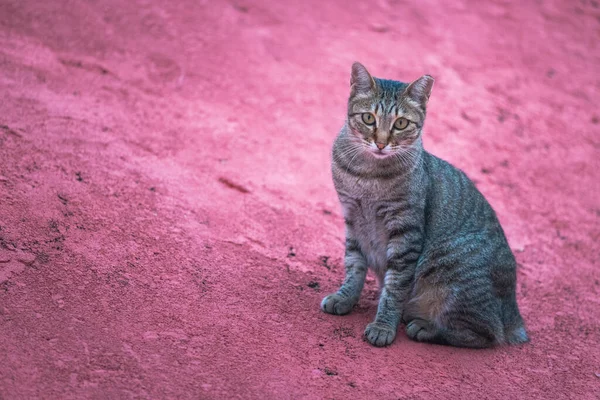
(368, 118)
(401, 124)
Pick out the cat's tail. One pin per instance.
(514, 328)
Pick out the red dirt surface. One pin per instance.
(168, 225)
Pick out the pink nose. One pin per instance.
(380, 146)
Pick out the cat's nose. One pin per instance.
(380, 146)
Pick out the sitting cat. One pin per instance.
(434, 242)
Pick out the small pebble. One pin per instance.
(379, 28)
(26, 258)
(5, 257)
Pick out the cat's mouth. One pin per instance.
(380, 153)
(379, 150)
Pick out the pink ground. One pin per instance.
(168, 225)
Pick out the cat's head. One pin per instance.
(386, 116)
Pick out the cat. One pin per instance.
(442, 260)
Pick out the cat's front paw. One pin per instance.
(379, 334)
(337, 304)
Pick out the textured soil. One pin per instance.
(168, 225)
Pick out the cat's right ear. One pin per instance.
(420, 90)
(361, 81)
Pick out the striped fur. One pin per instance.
(434, 242)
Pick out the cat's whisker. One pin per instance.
(406, 157)
(342, 152)
(358, 151)
(349, 152)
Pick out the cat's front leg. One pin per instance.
(382, 331)
(347, 296)
(403, 254)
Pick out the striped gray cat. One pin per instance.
(435, 244)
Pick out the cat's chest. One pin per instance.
(367, 205)
(365, 218)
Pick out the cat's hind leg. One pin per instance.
(424, 331)
(465, 337)
(421, 330)
(438, 314)
(347, 296)
(423, 310)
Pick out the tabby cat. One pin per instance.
(435, 244)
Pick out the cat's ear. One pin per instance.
(420, 90)
(361, 81)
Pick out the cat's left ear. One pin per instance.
(420, 90)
